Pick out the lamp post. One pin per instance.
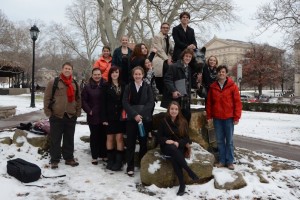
(240, 84)
(34, 32)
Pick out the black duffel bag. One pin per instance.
(22, 170)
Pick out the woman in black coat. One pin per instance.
(121, 58)
(112, 103)
(91, 96)
(173, 139)
(209, 72)
(138, 103)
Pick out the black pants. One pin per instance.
(98, 141)
(178, 161)
(132, 133)
(62, 128)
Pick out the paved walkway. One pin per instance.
(23, 118)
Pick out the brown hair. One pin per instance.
(164, 24)
(136, 68)
(180, 121)
(184, 13)
(137, 51)
(222, 67)
(67, 63)
(187, 51)
(111, 70)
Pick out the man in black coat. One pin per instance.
(178, 83)
(184, 36)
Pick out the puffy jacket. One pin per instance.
(104, 66)
(224, 104)
(61, 105)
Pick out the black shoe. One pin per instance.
(111, 159)
(181, 190)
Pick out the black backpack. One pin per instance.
(22, 170)
(55, 86)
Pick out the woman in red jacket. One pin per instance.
(224, 106)
(104, 62)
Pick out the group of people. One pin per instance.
(120, 96)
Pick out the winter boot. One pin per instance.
(119, 161)
(111, 159)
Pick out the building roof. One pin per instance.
(9, 68)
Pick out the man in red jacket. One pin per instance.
(224, 107)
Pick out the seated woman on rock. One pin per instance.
(173, 138)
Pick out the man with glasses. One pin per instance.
(163, 57)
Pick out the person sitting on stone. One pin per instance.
(173, 139)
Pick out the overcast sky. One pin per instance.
(54, 10)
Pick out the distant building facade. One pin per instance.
(228, 51)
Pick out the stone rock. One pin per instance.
(262, 179)
(85, 139)
(151, 143)
(21, 136)
(6, 140)
(233, 180)
(154, 166)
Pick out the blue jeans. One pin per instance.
(224, 132)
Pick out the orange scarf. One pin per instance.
(70, 89)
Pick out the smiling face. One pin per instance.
(96, 75)
(173, 111)
(124, 41)
(148, 64)
(138, 75)
(212, 61)
(105, 53)
(222, 75)
(185, 20)
(67, 70)
(187, 58)
(165, 29)
(115, 75)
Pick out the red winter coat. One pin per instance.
(224, 104)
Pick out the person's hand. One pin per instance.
(138, 118)
(169, 141)
(91, 112)
(176, 94)
(170, 61)
(105, 123)
(176, 144)
(191, 46)
(236, 122)
(210, 122)
(154, 50)
(199, 78)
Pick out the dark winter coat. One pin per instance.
(117, 61)
(92, 95)
(175, 72)
(138, 103)
(112, 103)
(164, 133)
(182, 40)
(209, 76)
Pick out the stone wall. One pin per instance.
(7, 111)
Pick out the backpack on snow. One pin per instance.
(22, 170)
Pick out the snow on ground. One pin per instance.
(88, 181)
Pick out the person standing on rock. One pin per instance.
(62, 104)
(224, 109)
(173, 139)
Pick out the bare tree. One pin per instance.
(263, 66)
(83, 35)
(140, 20)
(284, 15)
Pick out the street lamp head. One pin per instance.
(34, 32)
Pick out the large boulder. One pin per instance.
(228, 180)
(154, 166)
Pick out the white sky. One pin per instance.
(54, 10)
